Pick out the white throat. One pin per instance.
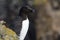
(25, 26)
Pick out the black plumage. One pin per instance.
(30, 13)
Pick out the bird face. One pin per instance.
(26, 11)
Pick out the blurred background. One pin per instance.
(43, 14)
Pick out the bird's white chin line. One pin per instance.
(25, 26)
